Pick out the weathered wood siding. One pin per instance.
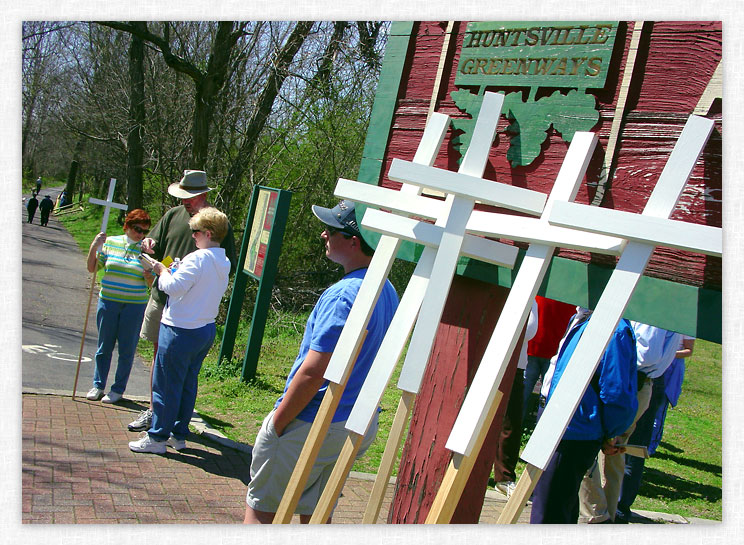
(675, 63)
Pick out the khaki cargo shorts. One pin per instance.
(274, 459)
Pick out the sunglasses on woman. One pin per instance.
(140, 230)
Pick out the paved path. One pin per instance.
(77, 468)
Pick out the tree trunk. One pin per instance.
(208, 88)
(135, 149)
(470, 315)
(71, 176)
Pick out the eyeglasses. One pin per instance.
(140, 230)
(194, 231)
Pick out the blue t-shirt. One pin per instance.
(323, 329)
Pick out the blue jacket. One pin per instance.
(609, 405)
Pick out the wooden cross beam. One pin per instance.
(609, 310)
(483, 398)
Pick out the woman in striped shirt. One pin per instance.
(121, 303)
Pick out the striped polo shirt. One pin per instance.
(123, 279)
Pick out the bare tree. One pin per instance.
(208, 82)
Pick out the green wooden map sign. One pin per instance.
(259, 254)
(563, 55)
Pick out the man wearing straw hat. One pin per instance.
(171, 237)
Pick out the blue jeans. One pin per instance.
(555, 499)
(117, 323)
(175, 378)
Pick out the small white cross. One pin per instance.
(108, 204)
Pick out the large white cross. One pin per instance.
(108, 204)
(643, 229)
(352, 335)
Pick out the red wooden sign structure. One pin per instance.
(634, 84)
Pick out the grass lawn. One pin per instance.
(683, 477)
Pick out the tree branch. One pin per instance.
(178, 64)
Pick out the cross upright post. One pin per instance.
(352, 335)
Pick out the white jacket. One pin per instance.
(195, 289)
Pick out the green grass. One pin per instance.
(684, 476)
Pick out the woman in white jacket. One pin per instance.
(187, 331)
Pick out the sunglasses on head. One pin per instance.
(140, 230)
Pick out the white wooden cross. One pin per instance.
(108, 204)
(643, 229)
(483, 398)
(351, 336)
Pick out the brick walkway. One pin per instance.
(77, 468)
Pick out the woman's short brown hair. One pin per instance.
(212, 220)
(137, 216)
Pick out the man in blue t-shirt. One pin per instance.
(283, 432)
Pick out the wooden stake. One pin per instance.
(337, 479)
(518, 499)
(85, 329)
(388, 458)
(622, 99)
(458, 473)
(314, 441)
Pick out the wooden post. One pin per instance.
(337, 479)
(385, 470)
(517, 501)
(458, 474)
(310, 449)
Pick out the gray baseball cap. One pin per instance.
(341, 217)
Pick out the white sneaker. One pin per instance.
(142, 422)
(94, 394)
(147, 444)
(111, 397)
(177, 444)
(506, 488)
